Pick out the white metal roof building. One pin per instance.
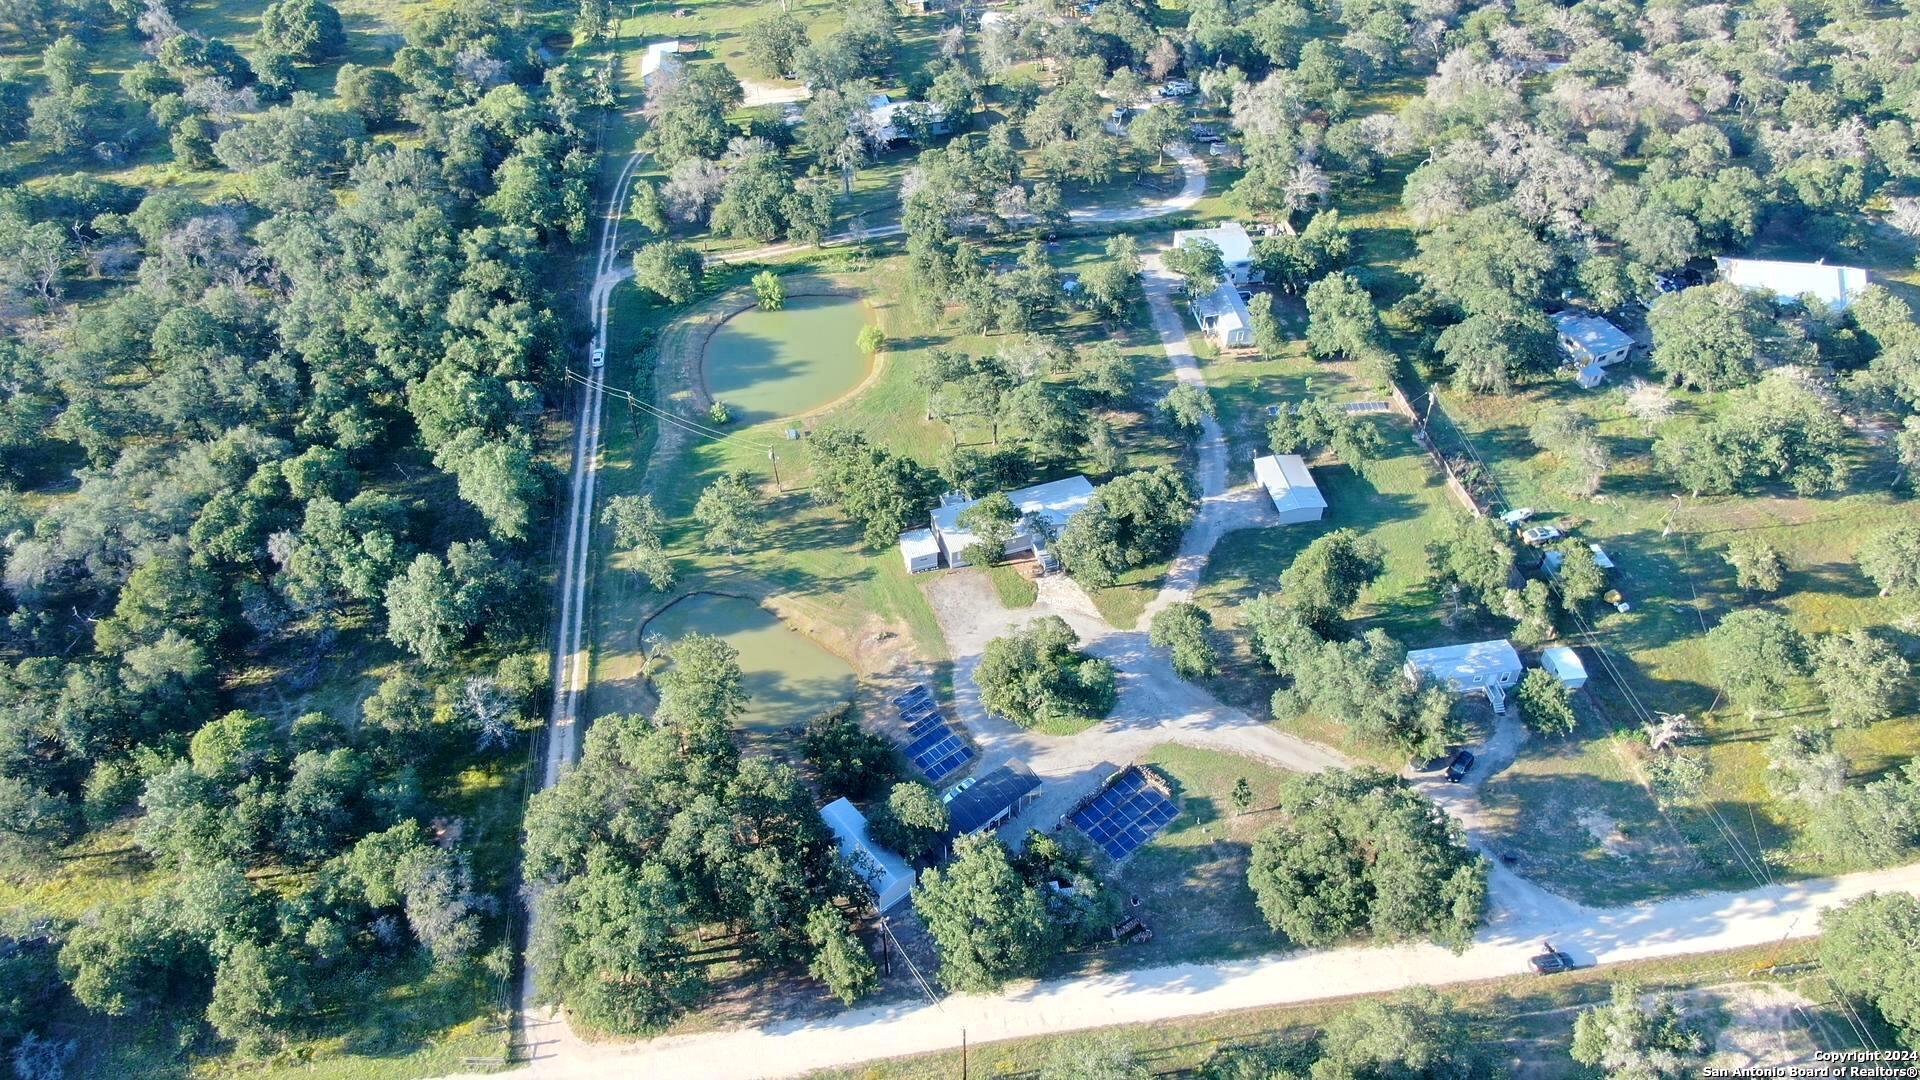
(888, 874)
(1236, 248)
(1589, 339)
(920, 549)
(1835, 286)
(883, 125)
(1053, 502)
(1564, 664)
(1476, 667)
(1224, 316)
(661, 56)
(1290, 485)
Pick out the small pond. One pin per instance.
(766, 365)
(789, 677)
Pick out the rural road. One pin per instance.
(1693, 924)
(541, 1030)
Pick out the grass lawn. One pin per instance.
(1523, 1023)
(1192, 878)
(1670, 566)
(1400, 503)
(1014, 588)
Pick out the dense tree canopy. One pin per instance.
(1361, 854)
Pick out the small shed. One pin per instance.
(1591, 376)
(888, 874)
(1290, 485)
(991, 800)
(920, 549)
(1564, 664)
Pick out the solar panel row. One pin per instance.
(1125, 814)
(936, 749)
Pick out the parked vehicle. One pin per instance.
(1203, 133)
(1460, 766)
(1515, 517)
(1550, 961)
(599, 357)
(1540, 534)
(1174, 88)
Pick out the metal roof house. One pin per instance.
(1224, 316)
(1290, 485)
(1564, 664)
(888, 874)
(1053, 503)
(920, 549)
(991, 800)
(1476, 667)
(884, 119)
(1236, 249)
(1835, 286)
(1590, 339)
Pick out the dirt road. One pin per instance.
(1696, 924)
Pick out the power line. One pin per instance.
(679, 421)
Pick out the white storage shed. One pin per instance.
(888, 874)
(1290, 485)
(1564, 664)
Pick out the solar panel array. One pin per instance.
(1125, 814)
(935, 748)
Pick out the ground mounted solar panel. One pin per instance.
(1125, 814)
(919, 692)
(943, 768)
(923, 725)
(916, 750)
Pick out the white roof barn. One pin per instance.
(1236, 248)
(1835, 286)
(661, 56)
(1290, 485)
(1053, 502)
(888, 874)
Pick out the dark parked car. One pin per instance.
(1458, 768)
(1551, 961)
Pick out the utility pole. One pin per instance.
(775, 458)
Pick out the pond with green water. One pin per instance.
(789, 677)
(766, 365)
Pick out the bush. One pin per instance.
(1185, 628)
(846, 760)
(870, 339)
(718, 413)
(769, 291)
(912, 821)
(1545, 704)
(1034, 677)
